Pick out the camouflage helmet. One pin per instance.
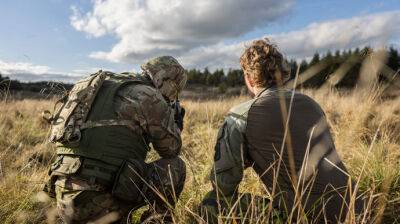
(167, 75)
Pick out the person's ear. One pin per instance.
(250, 84)
(251, 81)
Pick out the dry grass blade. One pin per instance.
(372, 157)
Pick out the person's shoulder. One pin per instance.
(310, 101)
(302, 96)
(139, 91)
(298, 96)
(146, 89)
(241, 110)
(284, 92)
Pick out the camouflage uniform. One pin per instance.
(106, 173)
(252, 136)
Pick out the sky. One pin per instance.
(63, 40)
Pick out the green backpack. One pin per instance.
(69, 118)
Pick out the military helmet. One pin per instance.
(167, 75)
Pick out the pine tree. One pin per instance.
(315, 60)
(293, 68)
(393, 59)
(303, 66)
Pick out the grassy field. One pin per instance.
(366, 132)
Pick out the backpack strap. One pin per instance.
(103, 123)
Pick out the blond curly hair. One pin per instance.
(264, 63)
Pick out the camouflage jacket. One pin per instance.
(104, 150)
(145, 105)
(149, 118)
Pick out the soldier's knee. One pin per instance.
(180, 168)
(175, 163)
(169, 171)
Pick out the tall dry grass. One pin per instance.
(354, 119)
(366, 132)
(24, 157)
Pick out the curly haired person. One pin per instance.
(284, 137)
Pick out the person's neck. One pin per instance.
(258, 89)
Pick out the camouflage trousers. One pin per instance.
(160, 183)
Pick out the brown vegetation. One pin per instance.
(366, 131)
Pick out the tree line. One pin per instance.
(328, 63)
(45, 87)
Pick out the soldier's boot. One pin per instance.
(166, 179)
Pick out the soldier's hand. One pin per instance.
(179, 114)
(183, 112)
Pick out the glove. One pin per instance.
(179, 114)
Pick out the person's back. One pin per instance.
(102, 131)
(285, 138)
(320, 176)
(109, 135)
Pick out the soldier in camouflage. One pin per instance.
(106, 172)
(298, 164)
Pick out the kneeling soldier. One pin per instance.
(102, 130)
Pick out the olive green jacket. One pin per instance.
(253, 135)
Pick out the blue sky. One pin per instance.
(64, 39)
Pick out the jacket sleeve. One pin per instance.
(148, 108)
(227, 171)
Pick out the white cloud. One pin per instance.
(196, 31)
(30, 72)
(375, 30)
(147, 28)
(7, 68)
(215, 56)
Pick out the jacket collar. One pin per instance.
(266, 90)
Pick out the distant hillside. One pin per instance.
(18, 89)
(321, 67)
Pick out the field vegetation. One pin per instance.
(365, 123)
(366, 131)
